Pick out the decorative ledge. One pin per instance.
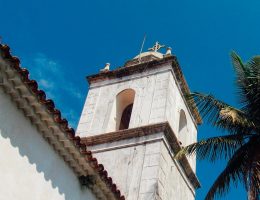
(133, 67)
(144, 131)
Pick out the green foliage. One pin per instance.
(241, 146)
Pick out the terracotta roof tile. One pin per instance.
(50, 106)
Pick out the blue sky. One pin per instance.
(61, 42)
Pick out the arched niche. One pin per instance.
(124, 106)
(125, 118)
(121, 111)
(183, 129)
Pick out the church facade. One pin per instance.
(134, 120)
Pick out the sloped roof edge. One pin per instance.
(69, 133)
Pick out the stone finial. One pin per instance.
(168, 51)
(106, 68)
(156, 47)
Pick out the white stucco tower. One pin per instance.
(135, 119)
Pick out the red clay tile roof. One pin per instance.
(63, 123)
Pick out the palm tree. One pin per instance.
(241, 144)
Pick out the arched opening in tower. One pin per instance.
(183, 130)
(123, 108)
(121, 111)
(126, 116)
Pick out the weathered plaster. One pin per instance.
(30, 168)
(158, 98)
(143, 167)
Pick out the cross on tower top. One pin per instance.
(156, 47)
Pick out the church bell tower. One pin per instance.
(135, 119)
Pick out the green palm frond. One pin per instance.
(248, 83)
(238, 170)
(242, 145)
(215, 147)
(220, 114)
(254, 180)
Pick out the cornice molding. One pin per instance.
(163, 127)
(133, 67)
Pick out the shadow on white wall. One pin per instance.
(29, 166)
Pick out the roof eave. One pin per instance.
(53, 127)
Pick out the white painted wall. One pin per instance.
(149, 88)
(175, 103)
(29, 167)
(172, 182)
(144, 169)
